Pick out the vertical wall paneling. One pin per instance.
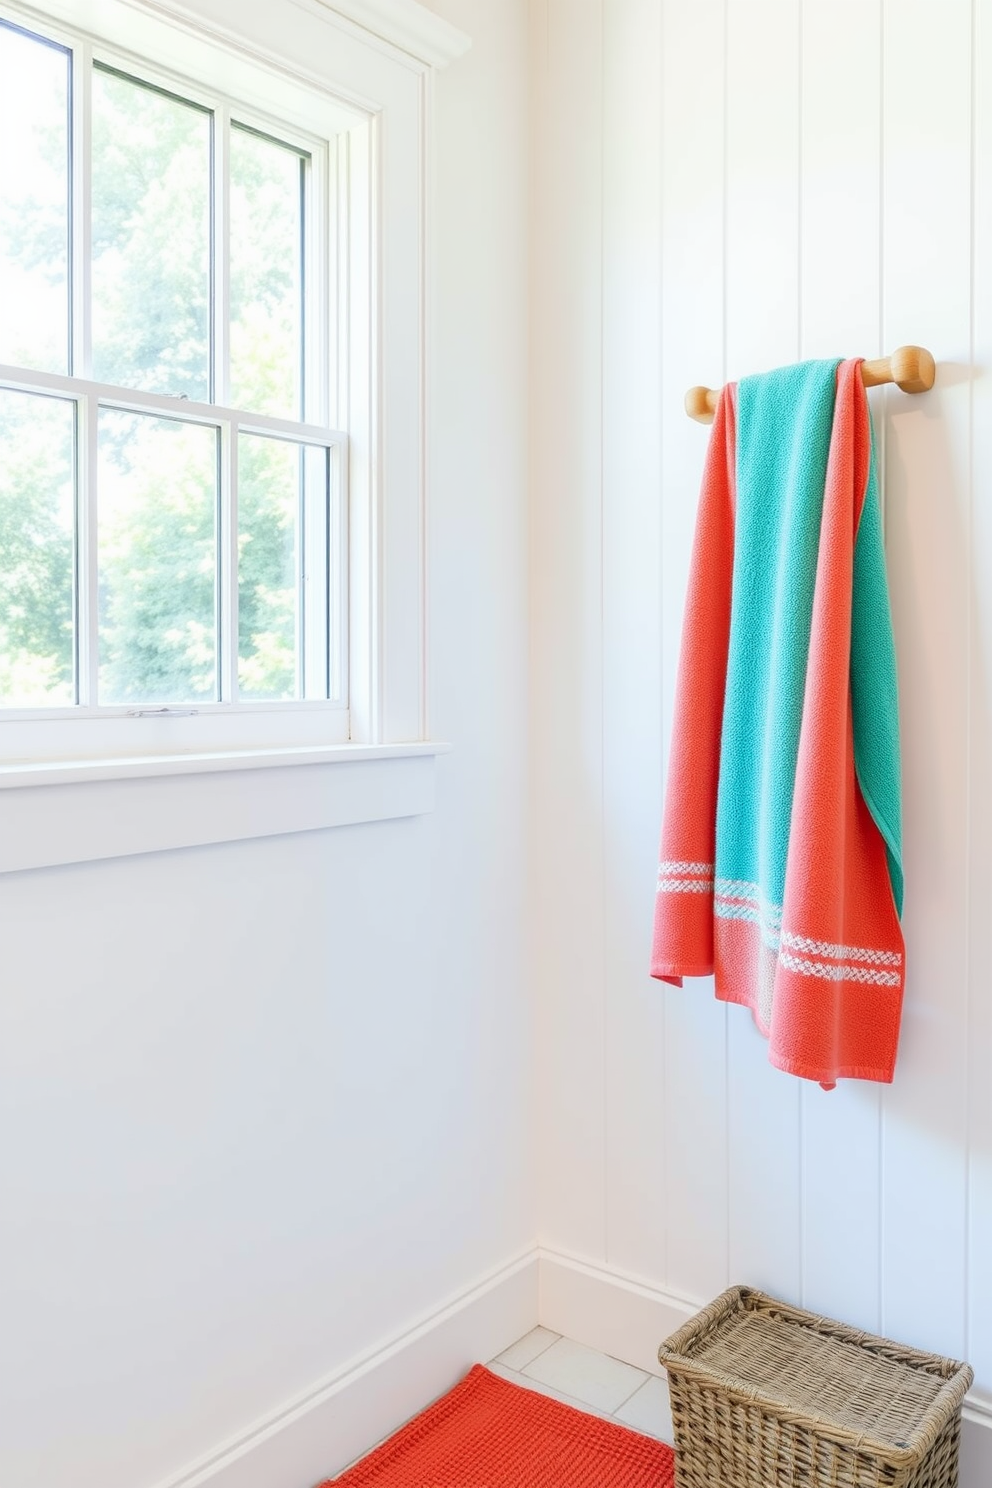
(695, 1091)
(633, 421)
(762, 276)
(978, 1321)
(762, 136)
(839, 316)
(839, 164)
(824, 190)
(566, 579)
(926, 261)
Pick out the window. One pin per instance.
(177, 293)
(300, 120)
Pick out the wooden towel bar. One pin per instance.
(909, 367)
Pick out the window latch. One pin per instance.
(162, 712)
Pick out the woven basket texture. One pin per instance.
(768, 1396)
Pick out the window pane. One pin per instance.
(269, 619)
(37, 504)
(151, 239)
(266, 275)
(34, 202)
(157, 516)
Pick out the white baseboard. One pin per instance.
(628, 1317)
(341, 1416)
(608, 1310)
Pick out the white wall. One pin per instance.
(232, 1165)
(721, 188)
(264, 1104)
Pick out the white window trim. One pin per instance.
(121, 808)
(372, 58)
(403, 24)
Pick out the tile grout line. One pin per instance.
(528, 1382)
(540, 1387)
(628, 1398)
(533, 1359)
(645, 1378)
(657, 1429)
(540, 1353)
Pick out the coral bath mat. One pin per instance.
(487, 1433)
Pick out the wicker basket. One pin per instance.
(766, 1396)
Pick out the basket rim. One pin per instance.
(943, 1407)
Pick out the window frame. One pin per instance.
(372, 64)
(371, 92)
(49, 732)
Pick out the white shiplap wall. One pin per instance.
(721, 186)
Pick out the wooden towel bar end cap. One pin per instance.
(913, 369)
(700, 404)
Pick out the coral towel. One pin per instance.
(781, 862)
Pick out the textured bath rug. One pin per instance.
(487, 1433)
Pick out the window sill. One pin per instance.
(55, 812)
(77, 772)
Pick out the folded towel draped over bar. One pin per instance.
(911, 368)
(781, 861)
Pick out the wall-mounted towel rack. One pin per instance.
(909, 367)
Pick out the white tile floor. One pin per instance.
(592, 1382)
